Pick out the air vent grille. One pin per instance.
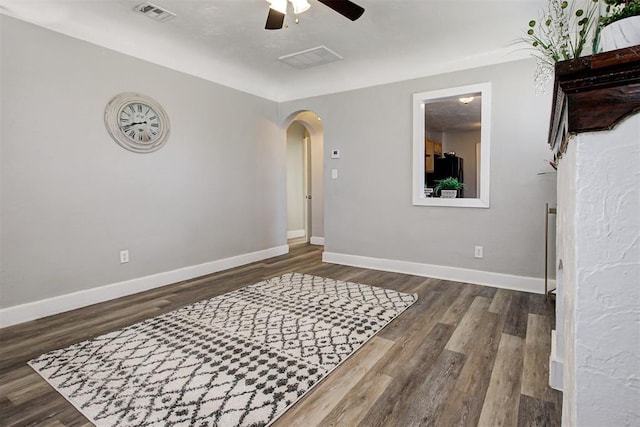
(154, 12)
(310, 57)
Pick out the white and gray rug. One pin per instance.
(239, 359)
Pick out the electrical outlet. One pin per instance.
(124, 256)
(478, 252)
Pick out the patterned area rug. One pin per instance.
(239, 359)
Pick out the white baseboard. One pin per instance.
(294, 234)
(556, 366)
(47, 307)
(317, 240)
(478, 277)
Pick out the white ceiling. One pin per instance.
(451, 115)
(225, 41)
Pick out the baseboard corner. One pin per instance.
(317, 240)
(294, 234)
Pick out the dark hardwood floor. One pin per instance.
(462, 355)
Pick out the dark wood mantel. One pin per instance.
(594, 93)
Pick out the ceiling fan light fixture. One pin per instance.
(300, 6)
(278, 5)
(278, 10)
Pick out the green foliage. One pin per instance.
(450, 183)
(563, 31)
(619, 9)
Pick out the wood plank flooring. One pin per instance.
(462, 355)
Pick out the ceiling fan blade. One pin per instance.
(345, 8)
(275, 20)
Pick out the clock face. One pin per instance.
(140, 123)
(137, 122)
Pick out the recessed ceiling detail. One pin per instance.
(154, 12)
(311, 57)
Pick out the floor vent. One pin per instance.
(155, 12)
(310, 57)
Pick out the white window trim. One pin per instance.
(419, 99)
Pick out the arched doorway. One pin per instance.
(305, 207)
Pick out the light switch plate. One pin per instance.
(335, 154)
(334, 173)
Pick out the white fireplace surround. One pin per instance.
(596, 349)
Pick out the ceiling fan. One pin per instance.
(278, 10)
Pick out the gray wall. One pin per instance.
(71, 198)
(368, 210)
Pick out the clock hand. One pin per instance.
(133, 124)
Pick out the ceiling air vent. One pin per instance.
(310, 57)
(154, 12)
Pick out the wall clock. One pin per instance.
(136, 122)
